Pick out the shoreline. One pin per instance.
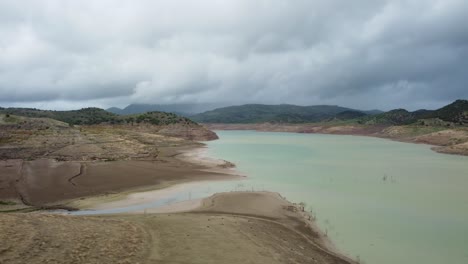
(198, 155)
(291, 215)
(48, 183)
(437, 140)
(235, 227)
(275, 217)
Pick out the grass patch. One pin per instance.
(422, 130)
(10, 119)
(7, 203)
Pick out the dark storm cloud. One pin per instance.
(366, 54)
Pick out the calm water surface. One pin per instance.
(384, 201)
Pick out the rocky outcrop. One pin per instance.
(190, 132)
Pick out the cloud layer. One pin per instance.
(371, 54)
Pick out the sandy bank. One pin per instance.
(237, 227)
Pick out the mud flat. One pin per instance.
(197, 171)
(47, 182)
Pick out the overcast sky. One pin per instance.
(364, 54)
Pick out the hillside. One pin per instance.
(13, 120)
(85, 116)
(93, 116)
(393, 117)
(35, 138)
(258, 113)
(455, 113)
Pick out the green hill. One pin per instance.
(258, 113)
(85, 116)
(350, 114)
(456, 112)
(393, 117)
(157, 118)
(93, 116)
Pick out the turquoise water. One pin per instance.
(384, 201)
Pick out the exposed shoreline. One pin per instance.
(443, 140)
(209, 170)
(52, 184)
(101, 185)
(236, 202)
(262, 205)
(245, 227)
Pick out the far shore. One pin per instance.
(443, 140)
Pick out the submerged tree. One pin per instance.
(302, 206)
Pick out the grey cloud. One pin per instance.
(366, 54)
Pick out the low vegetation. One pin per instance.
(454, 114)
(156, 118)
(258, 113)
(92, 134)
(7, 202)
(94, 116)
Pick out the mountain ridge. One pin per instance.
(180, 109)
(163, 123)
(282, 113)
(455, 113)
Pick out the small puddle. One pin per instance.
(139, 202)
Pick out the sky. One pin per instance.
(367, 54)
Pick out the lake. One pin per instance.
(384, 201)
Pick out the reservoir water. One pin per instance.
(384, 201)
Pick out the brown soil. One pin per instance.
(45, 181)
(229, 228)
(44, 161)
(37, 238)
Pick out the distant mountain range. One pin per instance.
(180, 109)
(456, 112)
(284, 113)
